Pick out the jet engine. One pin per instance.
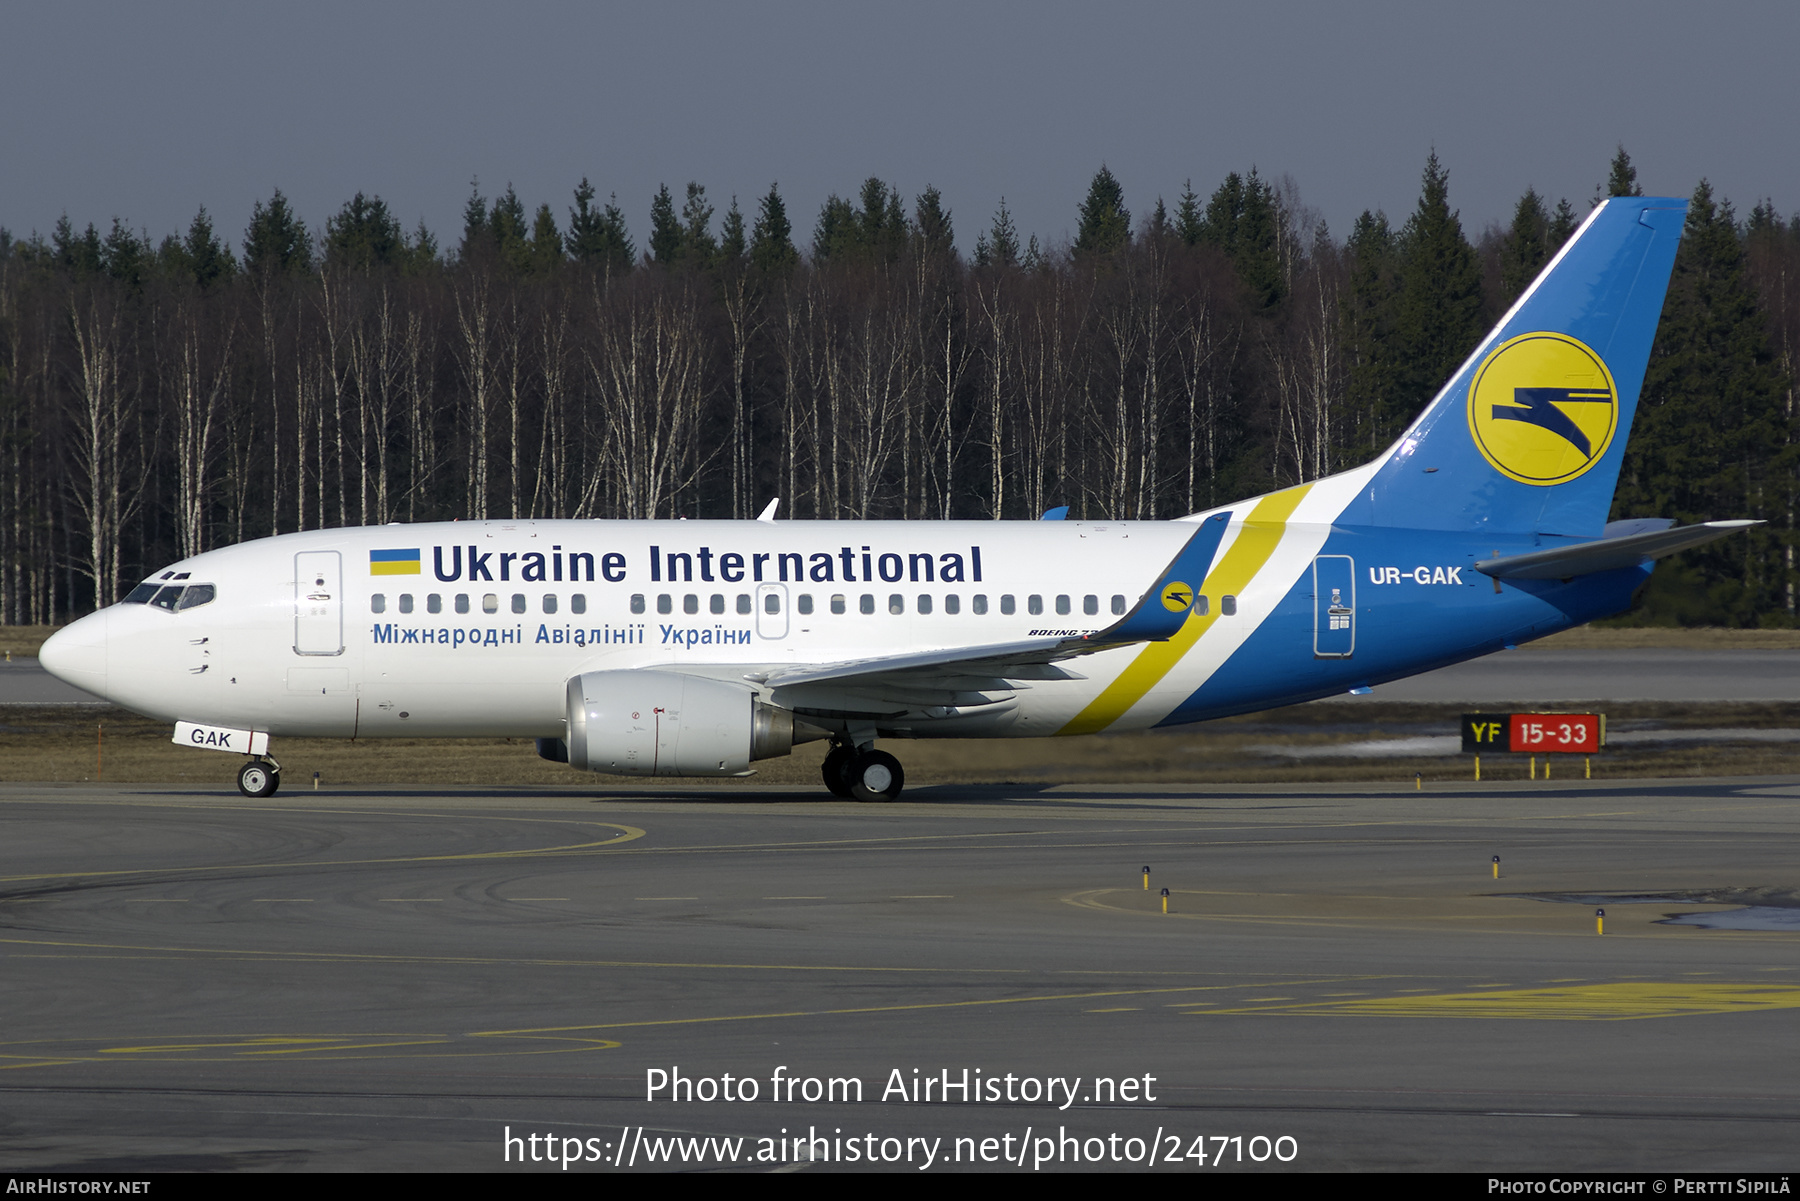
(664, 723)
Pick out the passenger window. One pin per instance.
(1118, 606)
(1007, 607)
(1062, 605)
(743, 602)
(406, 602)
(690, 603)
(665, 603)
(462, 602)
(896, 603)
(1202, 605)
(490, 603)
(434, 603)
(952, 604)
(1228, 606)
(804, 604)
(1090, 605)
(866, 603)
(924, 602)
(637, 602)
(195, 596)
(1034, 604)
(837, 603)
(978, 602)
(377, 602)
(772, 603)
(717, 604)
(518, 602)
(549, 602)
(578, 603)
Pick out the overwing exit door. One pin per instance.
(318, 603)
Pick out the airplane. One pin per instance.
(696, 648)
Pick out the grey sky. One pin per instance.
(149, 111)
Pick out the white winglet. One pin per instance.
(768, 514)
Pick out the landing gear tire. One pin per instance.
(836, 770)
(876, 776)
(258, 778)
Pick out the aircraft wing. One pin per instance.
(1157, 616)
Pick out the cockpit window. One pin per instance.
(172, 597)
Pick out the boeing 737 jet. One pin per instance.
(695, 648)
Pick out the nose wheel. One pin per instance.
(259, 778)
(869, 775)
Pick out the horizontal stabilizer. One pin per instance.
(1607, 554)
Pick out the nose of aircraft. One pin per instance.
(76, 654)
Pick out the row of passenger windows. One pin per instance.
(803, 603)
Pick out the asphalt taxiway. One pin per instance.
(393, 979)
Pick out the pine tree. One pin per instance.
(364, 235)
(1563, 224)
(1439, 318)
(1105, 222)
(835, 234)
(546, 242)
(598, 238)
(732, 241)
(276, 242)
(1622, 179)
(999, 247)
(931, 224)
(506, 226)
(1712, 438)
(698, 246)
(665, 230)
(209, 259)
(772, 237)
(478, 238)
(1524, 252)
(1190, 225)
(78, 254)
(1367, 312)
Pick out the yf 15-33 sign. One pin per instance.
(1533, 733)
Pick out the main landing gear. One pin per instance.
(866, 775)
(259, 777)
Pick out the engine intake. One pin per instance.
(663, 723)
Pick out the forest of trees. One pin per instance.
(160, 399)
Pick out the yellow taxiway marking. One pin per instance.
(227, 1048)
(625, 834)
(1586, 1002)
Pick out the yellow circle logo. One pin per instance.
(1177, 596)
(1543, 408)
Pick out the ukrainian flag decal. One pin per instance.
(394, 562)
(1543, 408)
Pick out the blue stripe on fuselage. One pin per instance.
(1402, 627)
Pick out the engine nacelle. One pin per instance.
(663, 723)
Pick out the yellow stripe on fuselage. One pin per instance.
(1255, 542)
(395, 567)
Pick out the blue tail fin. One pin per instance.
(1528, 434)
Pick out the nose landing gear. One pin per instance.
(259, 777)
(866, 775)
